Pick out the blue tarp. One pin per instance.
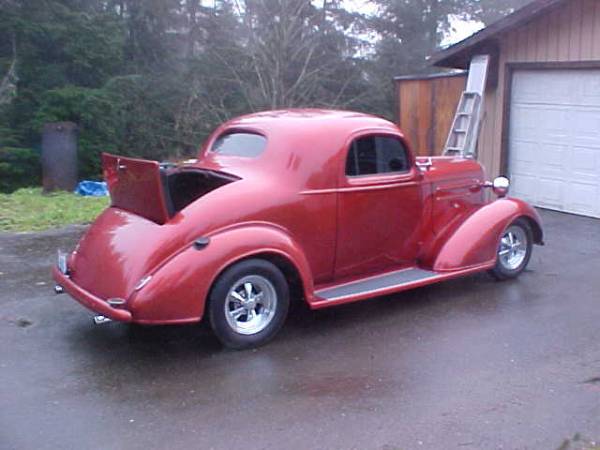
(92, 188)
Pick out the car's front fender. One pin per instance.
(475, 241)
(179, 288)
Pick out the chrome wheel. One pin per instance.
(250, 305)
(513, 248)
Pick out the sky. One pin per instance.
(459, 29)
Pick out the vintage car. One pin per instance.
(328, 207)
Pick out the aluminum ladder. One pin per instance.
(462, 139)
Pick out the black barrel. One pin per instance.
(59, 156)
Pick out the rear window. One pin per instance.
(240, 144)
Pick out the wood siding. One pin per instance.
(568, 34)
(426, 107)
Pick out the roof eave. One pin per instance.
(459, 55)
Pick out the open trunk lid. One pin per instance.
(137, 186)
(157, 191)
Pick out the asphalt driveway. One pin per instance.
(471, 363)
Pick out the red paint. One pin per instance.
(294, 201)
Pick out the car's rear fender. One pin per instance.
(178, 289)
(475, 241)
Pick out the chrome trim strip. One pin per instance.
(143, 282)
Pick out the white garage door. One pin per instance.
(554, 139)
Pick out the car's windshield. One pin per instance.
(240, 144)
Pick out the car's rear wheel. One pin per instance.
(248, 304)
(514, 251)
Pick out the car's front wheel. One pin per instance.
(248, 304)
(514, 251)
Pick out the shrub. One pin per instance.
(19, 167)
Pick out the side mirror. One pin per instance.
(500, 186)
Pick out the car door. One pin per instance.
(379, 206)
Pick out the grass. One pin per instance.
(30, 210)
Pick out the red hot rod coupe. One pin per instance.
(330, 207)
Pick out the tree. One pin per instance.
(252, 55)
(152, 78)
(294, 53)
(410, 31)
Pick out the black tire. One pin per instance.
(225, 326)
(503, 269)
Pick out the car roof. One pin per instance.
(298, 141)
(308, 117)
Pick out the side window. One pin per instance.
(371, 155)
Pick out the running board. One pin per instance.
(388, 283)
(376, 284)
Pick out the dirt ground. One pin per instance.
(470, 363)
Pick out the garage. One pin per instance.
(554, 139)
(541, 123)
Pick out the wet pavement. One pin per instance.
(470, 363)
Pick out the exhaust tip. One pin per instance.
(58, 289)
(99, 320)
(115, 302)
